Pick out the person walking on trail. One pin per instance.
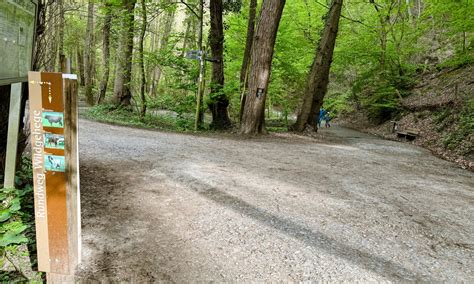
(322, 115)
(327, 119)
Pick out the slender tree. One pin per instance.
(123, 74)
(80, 65)
(219, 102)
(105, 52)
(61, 56)
(141, 58)
(88, 74)
(318, 78)
(253, 120)
(248, 48)
(166, 23)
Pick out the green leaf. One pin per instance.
(5, 215)
(15, 205)
(11, 238)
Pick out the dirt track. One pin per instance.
(345, 207)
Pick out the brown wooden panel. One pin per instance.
(58, 229)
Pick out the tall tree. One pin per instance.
(318, 79)
(248, 49)
(61, 56)
(218, 102)
(105, 52)
(166, 26)
(141, 58)
(88, 74)
(123, 74)
(80, 65)
(253, 119)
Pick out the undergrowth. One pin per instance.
(123, 116)
(379, 92)
(17, 226)
(461, 139)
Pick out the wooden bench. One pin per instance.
(409, 133)
(393, 126)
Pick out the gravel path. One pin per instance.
(343, 207)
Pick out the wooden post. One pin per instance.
(70, 90)
(72, 171)
(12, 140)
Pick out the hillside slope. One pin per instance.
(441, 107)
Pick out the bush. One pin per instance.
(17, 221)
(123, 116)
(379, 92)
(461, 139)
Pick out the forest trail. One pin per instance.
(181, 208)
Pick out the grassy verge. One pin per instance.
(17, 230)
(121, 116)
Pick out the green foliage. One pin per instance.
(338, 103)
(17, 215)
(123, 116)
(376, 55)
(460, 60)
(462, 138)
(380, 93)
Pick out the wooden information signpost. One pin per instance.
(53, 119)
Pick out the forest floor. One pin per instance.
(441, 107)
(343, 206)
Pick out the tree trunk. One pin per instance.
(88, 53)
(186, 36)
(246, 59)
(61, 57)
(123, 76)
(318, 78)
(167, 23)
(383, 32)
(142, 61)
(253, 120)
(218, 102)
(202, 69)
(80, 64)
(105, 53)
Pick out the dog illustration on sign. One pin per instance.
(54, 163)
(53, 119)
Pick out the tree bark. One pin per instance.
(88, 53)
(246, 59)
(105, 53)
(253, 119)
(61, 57)
(142, 61)
(218, 102)
(167, 23)
(318, 79)
(384, 20)
(123, 76)
(80, 64)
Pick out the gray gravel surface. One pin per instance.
(345, 206)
